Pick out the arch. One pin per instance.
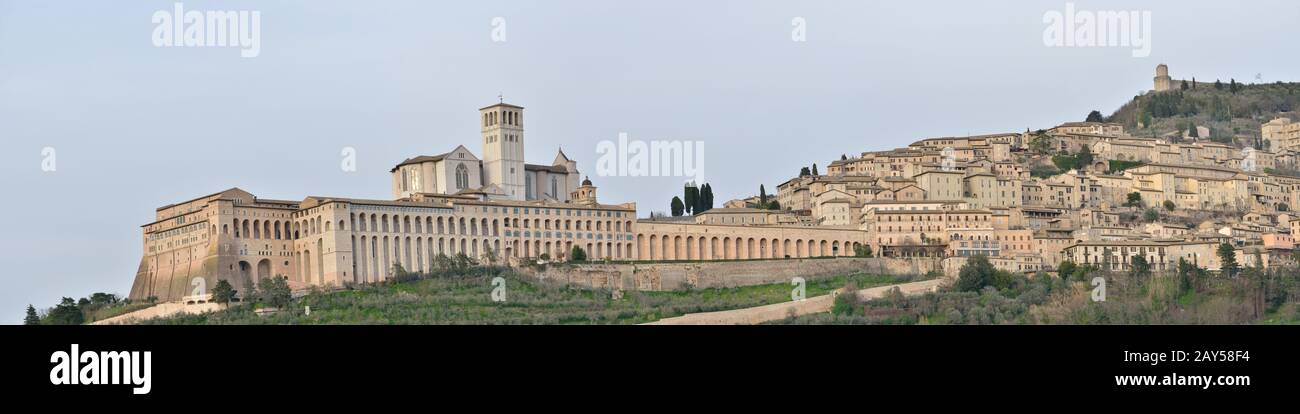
(245, 271)
(264, 269)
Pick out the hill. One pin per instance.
(1232, 112)
(467, 299)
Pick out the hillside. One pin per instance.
(1233, 114)
(467, 299)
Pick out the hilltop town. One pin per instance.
(1090, 193)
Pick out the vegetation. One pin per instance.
(1118, 166)
(1139, 267)
(275, 291)
(862, 250)
(1094, 116)
(223, 293)
(446, 297)
(32, 318)
(677, 207)
(1227, 110)
(1066, 162)
(69, 311)
(577, 254)
(1134, 199)
(1228, 259)
(1151, 215)
(1044, 171)
(1191, 295)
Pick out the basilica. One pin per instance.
(493, 208)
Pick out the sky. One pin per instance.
(134, 126)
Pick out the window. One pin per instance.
(462, 177)
(554, 186)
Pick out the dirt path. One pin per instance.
(765, 313)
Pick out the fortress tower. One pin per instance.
(503, 148)
(1163, 81)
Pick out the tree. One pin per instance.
(1066, 269)
(862, 250)
(1169, 205)
(977, 273)
(804, 172)
(1228, 259)
(32, 318)
(65, 313)
(1094, 116)
(275, 291)
(577, 254)
(1193, 83)
(101, 299)
(1084, 157)
(844, 157)
(1283, 207)
(676, 206)
(1151, 215)
(1040, 143)
(250, 290)
(1134, 200)
(814, 169)
(1188, 275)
(1218, 85)
(762, 196)
(222, 293)
(1192, 131)
(706, 199)
(1139, 267)
(690, 197)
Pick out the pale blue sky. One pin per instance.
(136, 126)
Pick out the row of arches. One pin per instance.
(407, 224)
(562, 249)
(276, 229)
(375, 256)
(571, 224)
(688, 247)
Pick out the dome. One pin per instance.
(586, 181)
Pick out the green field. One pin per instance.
(468, 300)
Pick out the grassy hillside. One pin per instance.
(467, 300)
(1232, 114)
(1253, 297)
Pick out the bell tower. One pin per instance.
(503, 148)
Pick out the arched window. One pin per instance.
(555, 187)
(462, 177)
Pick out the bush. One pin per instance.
(578, 255)
(223, 292)
(275, 291)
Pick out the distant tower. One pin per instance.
(1163, 81)
(586, 194)
(503, 148)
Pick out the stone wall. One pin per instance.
(722, 274)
